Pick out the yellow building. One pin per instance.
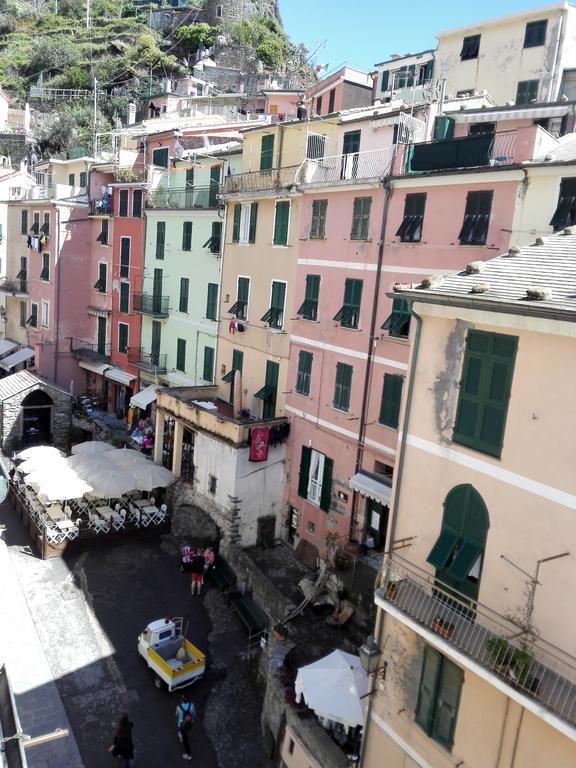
(475, 621)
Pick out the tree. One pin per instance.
(192, 36)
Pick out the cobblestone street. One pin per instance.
(86, 612)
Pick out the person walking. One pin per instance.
(186, 715)
(122, 745)
(197, 569)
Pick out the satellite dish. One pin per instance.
(3, 489)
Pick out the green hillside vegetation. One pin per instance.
(39, 47)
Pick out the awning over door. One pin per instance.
(119, 376)
(94, 367)
(144, 397)
(18, 357)
(370, 486)
(7, 346)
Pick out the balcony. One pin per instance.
(31, 193)
(184, 198)
(533, 672)
(348, 167)
(259, 181)
(15, 287)
(101, 207)
(150, 304)
(86, 350)
(485, 149)
(147, 361)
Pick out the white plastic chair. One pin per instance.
(134, 516)
(119, 520)
(160, 516)
(152, 501)
(97, 524)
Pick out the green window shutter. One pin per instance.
(312, 287)
(267, 152)
(391, 399)
(351, 142)
(187, 236)
(160, 239)
(443, 548)
(82, 178)
(243, 289)
(326, 492)
(212, 302)
(361, 218)
(123, 205)
(102, 332)
(137, 203)
(237, 360)
(447, 701)
(24, 222)
(271, 380)
(343, 383)
(236, 223)
(181, 354)
(484, 391)
(216, 237)
(124, 257)
(385, 80)
(331, 98)
(429, 679)
(124, 297)
(184, 292)
(278, 296)
(104, 232)
(122, 337)
(71, 180)
(281, 220)
(304, 373)
(304, 471)
(318, 226)
(208, 369)
(253, 220)
(102, 274)
(160, 157)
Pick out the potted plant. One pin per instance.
(392, 589)
(442, 627)
(515, 663)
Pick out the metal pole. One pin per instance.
(88, 20)
(94, 147)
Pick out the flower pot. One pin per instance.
(444, 630)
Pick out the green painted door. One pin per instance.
(102, 336)
(156, 341)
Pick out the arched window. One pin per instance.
(218, 11)
(458, 552)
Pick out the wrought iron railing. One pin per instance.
(101, 207)
(184, 197)
(275, 178)
(150, 304)
(147, 361)
(13, 286)
(87, 350)
(525, 662)
(462, 152)
(347, 167)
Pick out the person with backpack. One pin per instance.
(186, 715)
(122, 745)
(197, 569)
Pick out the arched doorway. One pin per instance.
(37, 418)
(459, 550)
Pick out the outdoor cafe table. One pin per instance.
(141, 503)
(105, 512)
(55, 513)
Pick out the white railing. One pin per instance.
(524, 661)
(353, 166)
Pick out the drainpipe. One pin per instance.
(398, 481)
(57, 287)
(555, 59)
(388, 190)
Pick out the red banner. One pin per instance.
(259, 444)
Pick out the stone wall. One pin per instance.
(239, 10)
(12, 417)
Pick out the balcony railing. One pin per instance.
(462, 152)
(527, 664)
(349, 167)
(256, 181)
(150, 304)
(189, 197)
(31, 193)
(87, 350)
(101, 207)
(147, 361)
(14, 287)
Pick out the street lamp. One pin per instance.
(370, 654)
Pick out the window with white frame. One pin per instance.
(44, 313)
(315, 477)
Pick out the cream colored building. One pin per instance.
(517, 58)
(475, 604)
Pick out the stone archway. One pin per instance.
(37, 418)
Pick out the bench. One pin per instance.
(250, 613)
(222, 575)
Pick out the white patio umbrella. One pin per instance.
(112, 484)
(38, 451)
(58, 489)
(92, 447)
(81, 463)
(40, 462)
(151, 476)
(126, 457)
(333, 687)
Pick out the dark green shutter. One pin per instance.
(443, 548)
(253, 219)
(391, 399)
(125, 257)
(237, 365)
(160, 239)
(342, 386)
(124, 297)
(271, 380)
(447, 700)
(303, 373)
(304, 471)
(318, 225)
(236, 223)
(82, 178)
(212, 301)
(331, 98)
(102, 274)
(102, 335)
(281, 222)
(351, 142)
(243, 289)
(278, 297)
(184, 291)
(24, 222)
(312, 287)
(216, 237)
(361, 218)
(156, 342)
(71, 180)
(137, 203)
(104, 232)
(181, 354)
(208, 371)
(122, 337)
(385, 80)
(429, 678)
(123, 207)
(267, 152)
(326, 492)
(187, 236)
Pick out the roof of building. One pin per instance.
(395, 59)
(22, 380)
(564, 152)
(511, 112)
(547, 267)
(511, 17)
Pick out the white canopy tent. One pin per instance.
(333, 687)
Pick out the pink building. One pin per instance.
(442, 206)
(345, 89)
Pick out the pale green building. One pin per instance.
(182, 262)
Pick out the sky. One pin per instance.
(361, 33)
